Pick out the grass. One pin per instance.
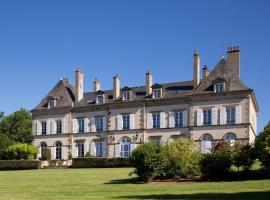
(115, 184)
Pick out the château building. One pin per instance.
(111, 123)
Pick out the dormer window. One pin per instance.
(99, 98)
(51, 103)
(126, 96)
(219, 87)
(157, 93)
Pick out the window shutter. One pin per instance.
(54, 126)
(74, 151)
(39, 127)
(63, 126)
(39, 153)
(93, 148)
(104, 123)
(64, 153)
(171, 120)
(203, 146)
(48, 127)
(132, 147)
(53, 153)
(86, 125)
(185, 118)
(86, 148)
(149, 121)
(162, 120)
(104, 149)
(93, 124)
(75, 126)
(119, 122)
(214, 116)
(223, 116)
(199, 117)
(117, 150)
(131, 121)
(237, 114)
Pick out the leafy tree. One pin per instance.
(262, 146)
(22, 151)
(182, 158)
(5, 142)
(18, 126)
(1, 115)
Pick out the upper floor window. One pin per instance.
(219, 87)
(58, 126)
(156, 120)
(51, 104)
(80, 125)
(157, 93)
(126, 122)
(126, 96)
(99, 123)
(99, 99)
(43, 127)
(207, 116)
(178, 118)
(230, 111)
(80, 146)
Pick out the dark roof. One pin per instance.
(156, 86)
(126, 88)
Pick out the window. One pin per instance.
(157, 93)
(125, 147)
(80, 147)
(80, 125)
(58, 150)
(43, 148)
(126, 122)
(230, 115)
(126, 96)
(51, 104)
(178, 118)
(43, 127)
(99, 99)
(58, 126)
(206, 143)
(156, 140)
(230, 137)
(156, 120)
(207, 116)
(219, 87)
(99, 149)
(99, 124)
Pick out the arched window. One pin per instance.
(125, 147)
(206, 143)
(43, 147)
(58, 150)
(230, 137)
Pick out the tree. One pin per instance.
(262, 146)
(243, 156)
(5, 142)
(17, 126)
(22, 151)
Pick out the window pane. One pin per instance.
(126, 122)
(156, 120)
(207, 117)
(99, 124)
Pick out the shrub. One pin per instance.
(5, 142)
(148, 160)
(88, 155)
(19, 164)
(182, 158)
(215, 166)
(222, 147)
(48, 154)
(22, 151)
(93, 162)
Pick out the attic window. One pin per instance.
(99, 98)
(157, 93)
(219, 87)
(51, 103)
(126, 96)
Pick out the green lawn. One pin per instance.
(114, 184)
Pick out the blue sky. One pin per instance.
(42, 41)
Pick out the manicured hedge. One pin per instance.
(19, 164)
(100, 162)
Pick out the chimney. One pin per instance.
(149, 82)
(196, 74)
(96, 85)
(79, 85)
(116, 87)
(205, 71)
(233, 60)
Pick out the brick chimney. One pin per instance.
(116, 86)
(196, 73)
(149, 82)
(205, 71)
(78, 84)
(233, 60)
(96, 85)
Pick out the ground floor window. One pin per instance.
(80, 147)
(43, 148)
(125, 147)
(206, 143)
(99, 149)
(58, 150)
(230, 137)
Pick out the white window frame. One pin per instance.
(100, 98)
(207, 116)
(155, 92)
(126, 121)
(156, 120)
(126, 96)
(51, 103)
(219, 87)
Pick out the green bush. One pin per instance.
(182, 159)
(88, 155)
(5, 142)
(93, 162)
(215, 166)
(48, 154)
(19, 164)
(22, 151)
(149, 161)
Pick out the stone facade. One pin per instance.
(112, 123)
